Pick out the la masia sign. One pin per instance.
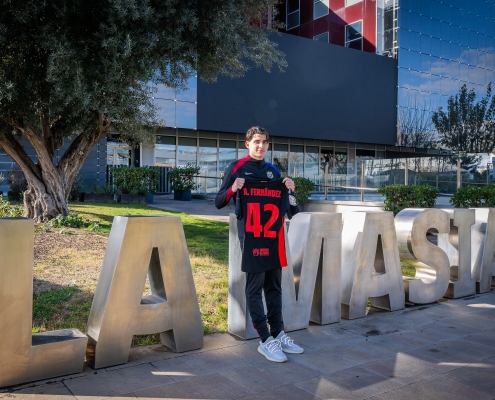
(334, 268)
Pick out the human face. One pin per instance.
(258, 146)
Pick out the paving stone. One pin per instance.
(437, 332)
(477, 376)
(387, 345)
(248, 352)
(318, 337)
(366, 326)
(213, 386)
(146, 355)
(211, 362)
(408, 368)
(118, 382)
(486, 338)
(332, 359)
(55, 390)
(263, 377)
(352, 383)
(287, 392)
(434, 388)
(455, 351)
(472, 321)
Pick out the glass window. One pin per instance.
(354, 35)
(415, 39)
(444, 49)
(187, 150)
(296, 160)
(191, 94)
(362, 153)
(207, 160)
(242, 150)
(415, 60)
(352, 2)
(164, 92)
(435, 46)
(425, 63)
(110, 156)
(426, 25)
(185, 115)
(281, 157)
(292, 14)
(425, 44)
(404, 58)
(425, 7)
(340, 161)
(226, 154)
(165, 151)
(323, 37)
(166, 112)
(320, 8)
(311, 162)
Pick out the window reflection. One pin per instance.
(165, 151)
(296, 160)
(207, 160)
(311, 162)
(226, 154)
(281, 157)
(187, 150)
(185, 114)
(166, 112)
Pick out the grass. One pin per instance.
(66, 276)
(61, 306)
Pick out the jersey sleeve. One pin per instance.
(225, 193)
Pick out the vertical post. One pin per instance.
(206, 171)
(295, 172)
(459, 183)
(326, 181)
(437, 179)
(362, 181)
(406, 173)
(487, 173)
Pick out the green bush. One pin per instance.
(182, 178)
(8, 210)
(474, 196)
(399, 197)
(304, 187)
(72, 220)
(137, 180)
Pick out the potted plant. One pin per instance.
(303, 190)
(182, 181)
(100, 194)
(136, 184)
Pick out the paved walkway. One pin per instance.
(444, 350)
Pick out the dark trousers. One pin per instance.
(271, 284)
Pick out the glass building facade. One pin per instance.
(441, 46)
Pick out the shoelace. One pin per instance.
(286, 339)
(273, 345)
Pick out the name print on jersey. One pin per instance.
(265, 192)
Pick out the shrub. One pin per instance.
(72, 220)
(137, 180)
(182, 178)
(7, 210)
(474, 196)
(399, 197)
(304, 187)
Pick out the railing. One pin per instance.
(163, 184)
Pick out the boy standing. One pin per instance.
(260, 276)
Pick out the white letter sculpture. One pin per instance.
(431, 262)
(138, 245)
(457, 245)
(483, 254)
(25, 357)
(370, 264)
(310, 284)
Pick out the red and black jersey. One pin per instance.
(261, 206)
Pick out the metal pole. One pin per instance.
(487, 174)
(406, 173)
(326, 181)
(295, 172)
(362, 181)
(459, 183)
(205, 180)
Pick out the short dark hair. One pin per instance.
(254, 130)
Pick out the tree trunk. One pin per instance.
(44, 200)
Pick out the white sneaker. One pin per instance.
(288, 345)
(271, 350)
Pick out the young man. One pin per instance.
(262, 273)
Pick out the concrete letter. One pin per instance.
(457, 245)
(431, 262)
(138, 245)
(25, 357)
(483, 241)
(370, 264)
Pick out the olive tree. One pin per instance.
(71, 70)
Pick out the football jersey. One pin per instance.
(262, 206)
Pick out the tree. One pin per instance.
(74, 69)
(467, 125)
(415, 128)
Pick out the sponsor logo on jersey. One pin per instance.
(265, 251)
(248, 173)
(269, 174)
(256, 252)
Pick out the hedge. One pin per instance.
(474, 196)
(399, 197)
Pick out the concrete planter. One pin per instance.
(182, 195)
(132, 198)
(98, 198)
